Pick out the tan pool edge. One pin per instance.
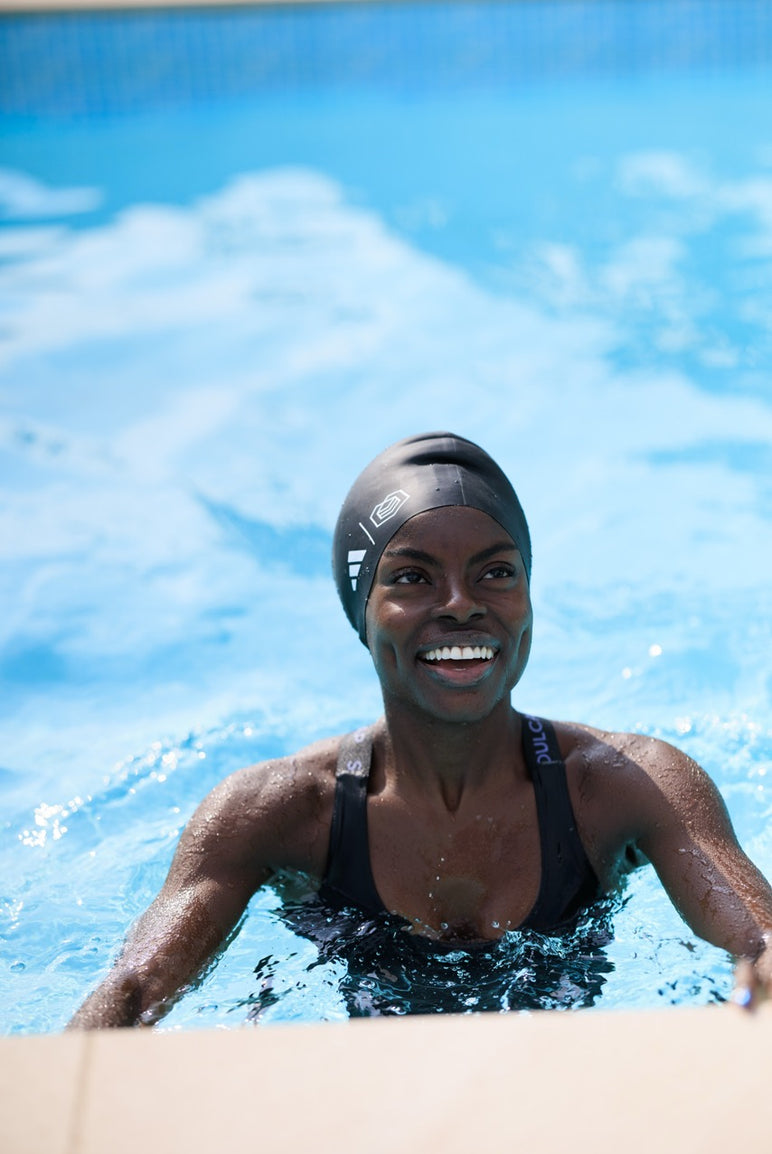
(681, 1080)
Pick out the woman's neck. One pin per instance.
(433, 756)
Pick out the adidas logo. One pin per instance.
(355, 558)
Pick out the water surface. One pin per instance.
(226, 286)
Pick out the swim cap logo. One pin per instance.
(355, 559)
(388, 507)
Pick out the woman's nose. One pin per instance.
(459, 602)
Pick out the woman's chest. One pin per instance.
(472, 874)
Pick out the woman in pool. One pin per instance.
(454, 812)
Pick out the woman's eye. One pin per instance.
(408, 577)
(499, 572)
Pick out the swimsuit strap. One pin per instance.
(568, 881)
(348, 879)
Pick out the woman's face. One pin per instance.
(449, 616)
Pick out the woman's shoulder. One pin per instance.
(280, 808)
(636, 777)
(605, 751)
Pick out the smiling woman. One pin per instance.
(241, 250)
(456, 815)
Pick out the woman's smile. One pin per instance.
(450, 612)
(459, 663)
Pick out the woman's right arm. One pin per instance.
(255, 821)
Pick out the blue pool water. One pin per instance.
(241, 252)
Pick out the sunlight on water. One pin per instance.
(190, 379)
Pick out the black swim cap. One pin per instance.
(429, 471)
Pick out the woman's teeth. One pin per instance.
(460, 653)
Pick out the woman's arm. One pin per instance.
(716, 888)
(260, 819)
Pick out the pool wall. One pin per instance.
(75, 62)
(686, 1080)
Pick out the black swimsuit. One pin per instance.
(568, 881)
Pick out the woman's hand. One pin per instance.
(753, 978)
